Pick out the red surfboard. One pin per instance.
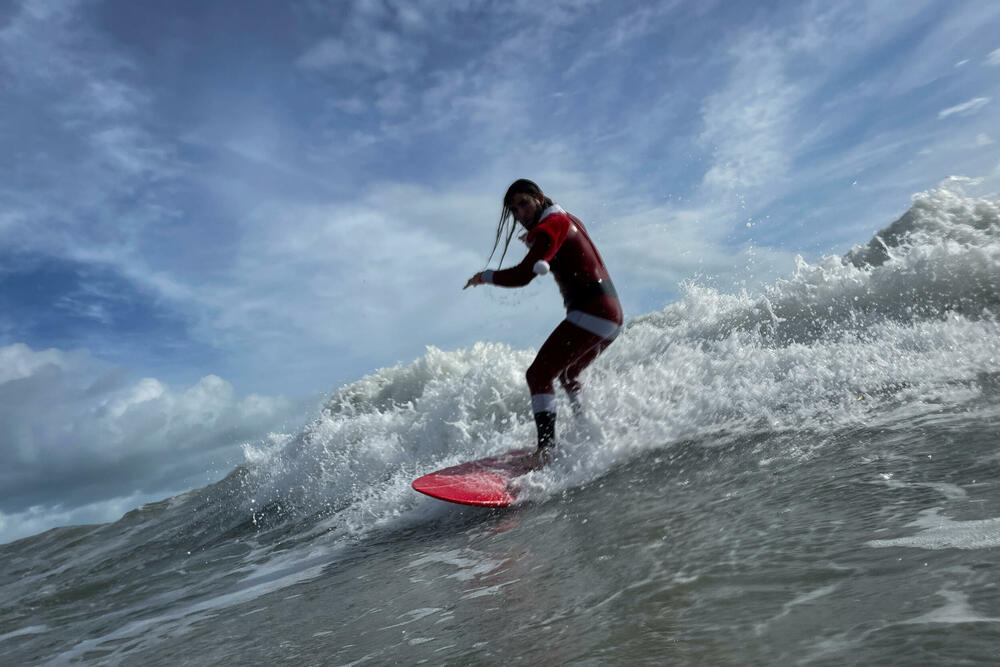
(485, 483)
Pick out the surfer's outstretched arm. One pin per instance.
(516, 276)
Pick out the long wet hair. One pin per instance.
(507, 225)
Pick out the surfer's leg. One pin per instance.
(570, 377)
(569, 381)
(561, 350)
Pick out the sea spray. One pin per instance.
(893, 328)
(374, 435)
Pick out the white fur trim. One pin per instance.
(555, 208)
(543, 403)
(487, 276)
(596, 325)
(541, 267)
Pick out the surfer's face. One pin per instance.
(525, 208)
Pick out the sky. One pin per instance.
(214, 214)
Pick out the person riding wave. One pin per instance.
(558, 243)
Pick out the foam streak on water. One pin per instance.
(808, 473)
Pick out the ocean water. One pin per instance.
(806, 475)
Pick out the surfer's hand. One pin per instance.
(474, 280)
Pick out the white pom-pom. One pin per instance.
(541, 267)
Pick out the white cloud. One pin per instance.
(964, 109)
(684, 243)
(330, 52)
(376, 49)
(677, 244)
(18, 362)
(67, 419)
(131, 152)
(148, 389)
(350, 105)
(993, 58)
(626, 29)
(393, 97)
(47, 47)
(746, 122)
(344, 274)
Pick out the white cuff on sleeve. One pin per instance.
(487, 276)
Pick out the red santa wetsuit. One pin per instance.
(559, 243)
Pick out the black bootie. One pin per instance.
(546, 424)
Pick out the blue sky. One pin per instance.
(243, 205)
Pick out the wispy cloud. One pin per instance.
(964, 109)
(993, 58)
(747, 121)
(378, 265)
(377, 49)
(91, 143)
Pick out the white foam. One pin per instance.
(280, 573)
(29, 630)
(883, 336)
(413, 616)
(955, 610)
(789, 607)
(468, 565)
(949, 491)
(940, 532)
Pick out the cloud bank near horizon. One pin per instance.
(104, 439)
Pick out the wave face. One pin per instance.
(899, 336)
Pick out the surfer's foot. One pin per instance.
(539, 458)
(574, 403)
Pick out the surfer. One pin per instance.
(558, 243)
